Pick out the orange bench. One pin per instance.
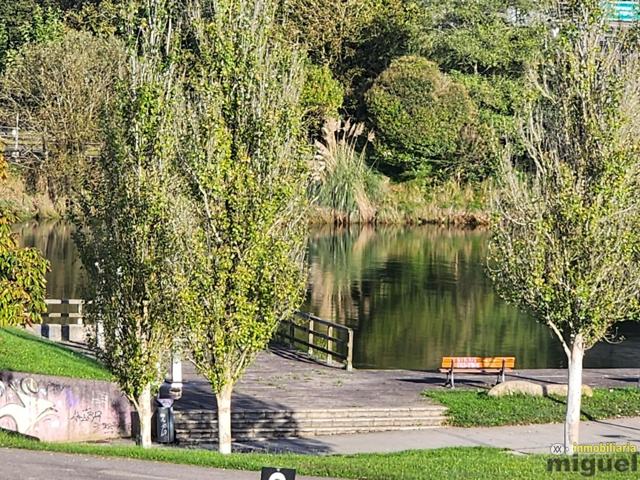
(482, 365)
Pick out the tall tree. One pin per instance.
(245, 161)
(22, 273)
(565, 244)
(58, 89)
(131, 215)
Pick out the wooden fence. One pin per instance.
(59, 308)
(332, 340)
(319, 336)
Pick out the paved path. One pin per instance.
(28, 465)
(284, 380)
(525, 439)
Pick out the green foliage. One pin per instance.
(477, 409)
(565, 242)
(486, 45)
(59, 89)
(131, 214)
(322, 96)
(245, 159)
(485, 37)
(23, 352)
(357, 39)
(27, 21)
(343, 182)
(22, 274)
(424, 121)
(100, 17)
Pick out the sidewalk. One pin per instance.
(522, 438)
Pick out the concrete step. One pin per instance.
(200, 426)
(195, 425)
(409, 412)
(314, 423)
(189, 438)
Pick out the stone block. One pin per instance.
(516, 387)
(52, 331)
(562, 390)
(74, 333)
(35, 329)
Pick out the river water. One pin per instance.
(411, 294)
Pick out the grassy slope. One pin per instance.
(472, 408)
(23, 352)
(448, 463)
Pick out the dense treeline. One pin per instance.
(436, 82)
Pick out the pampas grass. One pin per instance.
(344, 186)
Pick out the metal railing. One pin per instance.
(319, 335)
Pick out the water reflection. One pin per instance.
(416, 294)
(411, 294)
(66, 279)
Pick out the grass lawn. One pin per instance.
(447, 463)
(471, 408)
(22, 352)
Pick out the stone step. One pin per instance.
(189, 438)
(195, 426)
(211, 423)
(200, 426)
(409, 412)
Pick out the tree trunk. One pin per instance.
(144, 418)
(574, 395)
(224, 418)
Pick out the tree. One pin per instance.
(59, 88)
(132, 214)
(27, 21)
(565, 242)
(357, 39)
(487, 45)
(22, 273)
(245, 158)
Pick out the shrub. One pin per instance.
(322, 96)
(425, 122)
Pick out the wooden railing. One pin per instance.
(319, 336)
(71, 308)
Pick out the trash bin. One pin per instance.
(165, 430)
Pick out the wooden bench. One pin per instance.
(481, 365)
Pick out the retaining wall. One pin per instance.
(62, 409)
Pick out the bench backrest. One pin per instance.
(478, 362)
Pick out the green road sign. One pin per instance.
(625, 11)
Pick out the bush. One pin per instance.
(322, 96)
(425, 122)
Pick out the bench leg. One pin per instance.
(500, 378)
(450, 382)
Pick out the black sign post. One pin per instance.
(269, 473)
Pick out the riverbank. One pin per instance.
(26, 205)
(408, 203)
(450, 204)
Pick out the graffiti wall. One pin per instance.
(62, 409)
